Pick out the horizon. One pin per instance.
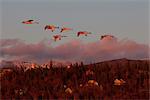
(68, 63)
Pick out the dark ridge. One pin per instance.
(122, 60)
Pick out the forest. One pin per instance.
(107, 80)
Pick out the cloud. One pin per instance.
(76, 50)
(9, 42)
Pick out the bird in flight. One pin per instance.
(30, 22)
(83, 33)
(65, 29)
(51, 27)
(104, 36)
(58, 37)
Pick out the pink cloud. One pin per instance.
(9, 42)
(75, 50)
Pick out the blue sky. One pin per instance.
(125, 19)
(122, 18)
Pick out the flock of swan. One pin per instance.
(56, 37)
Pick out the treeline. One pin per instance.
(78, 81)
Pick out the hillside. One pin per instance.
(115, 79)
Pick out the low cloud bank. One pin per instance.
(105, 49)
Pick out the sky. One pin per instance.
(127, 20)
